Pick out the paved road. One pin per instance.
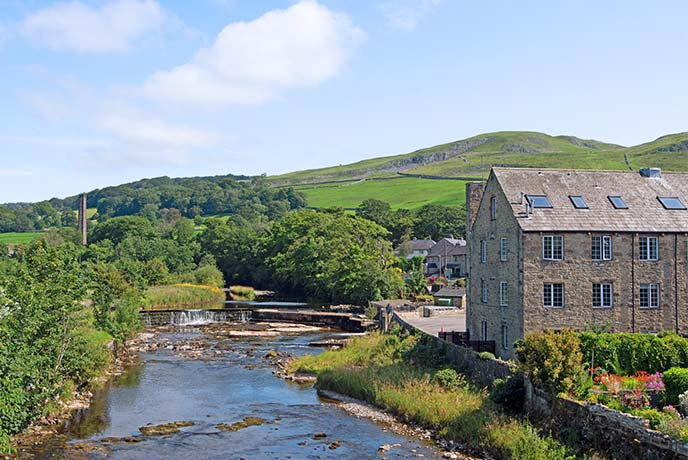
(433, 324)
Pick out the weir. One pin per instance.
(194, 317)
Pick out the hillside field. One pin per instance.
(18, 238)
(407, 192)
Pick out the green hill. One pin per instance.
(417, 178)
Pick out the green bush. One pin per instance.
(676, 383)
(626, 354)
(486, 355)
(509, 393)
(448, 378)
(655, 417)
(552, 359)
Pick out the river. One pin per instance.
(202, 376)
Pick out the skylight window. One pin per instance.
(671, 202)
(578, 202)
(539, 201)
(618, 202)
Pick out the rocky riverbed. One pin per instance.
(209, 392)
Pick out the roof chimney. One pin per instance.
(651, 172)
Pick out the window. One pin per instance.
(553, 247)
(601, 248)
(503, 294)
(602, 295)
(505, 337)
(483, 291)
(671, 202)
(483, 251)
(539, 201)
(578, 202)
(618, 202)
(502, 249)
(648, 248)
(649, 296)
(483, 331)
(493, 208)
(553, 295)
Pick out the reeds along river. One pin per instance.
(232, 406)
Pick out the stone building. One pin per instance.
(447, 258)
(554, 249)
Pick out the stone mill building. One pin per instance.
(554, 249)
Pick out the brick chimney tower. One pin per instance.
(83, 220)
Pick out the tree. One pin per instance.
(235, 249)
(119, 228)
(377, 211)
(332, 256)
(435, 221)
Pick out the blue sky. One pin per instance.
(97, 93)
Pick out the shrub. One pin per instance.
(510, 393)
(676, 383)
(627, 354)
(448, 378)
(654, 417)
(486, 355)
(553, 360)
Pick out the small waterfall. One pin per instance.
(194, 317)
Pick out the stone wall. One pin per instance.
(482, 371)
(617, 435)
(344, 321)
(620, 436)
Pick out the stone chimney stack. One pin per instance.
(474, 194)
(83, 220)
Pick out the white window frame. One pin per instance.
(551, 288)
(483, 331)
(650, 298)
(605, 251)
(549, 255)
(493, 208)
(650, 243)
(503, 249)
(483, 251)
(606, 295)
(505, 337)
(504, 294)
(483, 291)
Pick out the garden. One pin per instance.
(639, 374)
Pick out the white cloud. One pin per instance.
(11, 172)
(153, 132)
(405, 14)
(75, 26)
(249, 62)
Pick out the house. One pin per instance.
(451, 297)
(554, 249)
(447, 258)
(417, 248)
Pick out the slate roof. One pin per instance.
(454, 246)
(451, 292)
(421, 245)
(644, 214)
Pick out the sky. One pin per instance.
(96, 93)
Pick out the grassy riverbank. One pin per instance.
(179, 296)
(402, 374)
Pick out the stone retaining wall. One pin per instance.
(620, 436)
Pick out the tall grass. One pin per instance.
(180, 296)
(377, 369)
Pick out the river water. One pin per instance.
(225, 381)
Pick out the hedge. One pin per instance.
(626, 354)
(676, 383)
